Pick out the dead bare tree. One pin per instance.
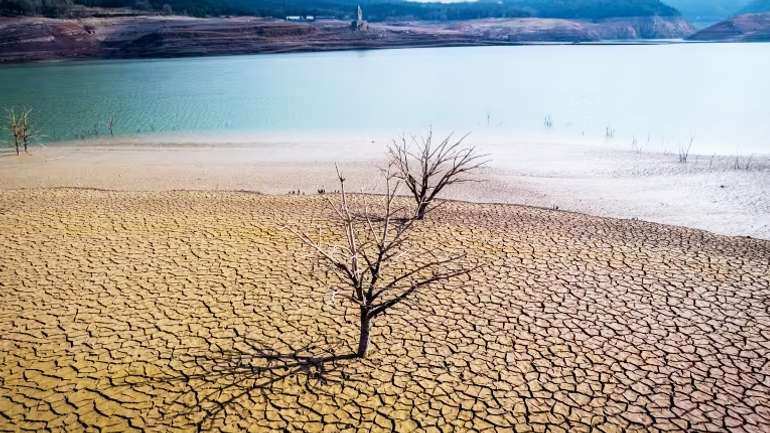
(684, 151)
(111, 123)
(426, 169)
(367, 261)
(12, 124)
(25, 129)
(19, 126)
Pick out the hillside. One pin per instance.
(743, 28)
(33, 38)
(375, 10)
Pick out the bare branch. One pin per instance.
(20, 128)
(373, 260)
(428, 169)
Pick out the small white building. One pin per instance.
(300, 18)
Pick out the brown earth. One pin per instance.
(138, 311)
(29, 39)
(743, 28)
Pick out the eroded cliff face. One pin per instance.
(562, 30)
(743, 28)
(645, 28)
(30, 39)
(33, 39)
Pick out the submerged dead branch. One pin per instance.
(111, 125)
(20, 128)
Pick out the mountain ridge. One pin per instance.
(711, 11)
(753, 27)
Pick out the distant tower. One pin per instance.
(360, 24)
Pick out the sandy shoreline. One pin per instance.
(708, 192)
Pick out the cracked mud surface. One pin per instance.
(182, 310)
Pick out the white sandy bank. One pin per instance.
(708, 192)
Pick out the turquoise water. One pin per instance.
(660, 94)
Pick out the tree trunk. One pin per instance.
(422, 208)
(363, 336)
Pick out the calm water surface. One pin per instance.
(660, 94)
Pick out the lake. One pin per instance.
(655, 97)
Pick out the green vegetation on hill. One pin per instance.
(52, 8)
(376, 10)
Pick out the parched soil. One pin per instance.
(169, 311)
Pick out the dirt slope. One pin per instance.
(28, 39)
(743, 28)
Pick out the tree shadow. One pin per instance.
(377, 218)
(225, 384)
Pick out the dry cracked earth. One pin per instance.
(184, 311)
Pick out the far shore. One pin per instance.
(35, 39)
(715, 193)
